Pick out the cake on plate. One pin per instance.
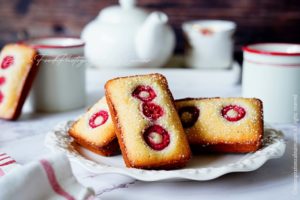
(147, 125)
(226, 125)
(95, 131)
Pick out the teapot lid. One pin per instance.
(126, 12)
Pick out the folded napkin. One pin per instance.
(48, 178)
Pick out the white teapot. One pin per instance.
(127, 36)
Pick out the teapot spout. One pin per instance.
(154, 39)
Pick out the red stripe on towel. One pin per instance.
(53, 181)
(4, 158)
(7, 163)
(2, 154)
(1, 172)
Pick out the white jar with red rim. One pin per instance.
(271, 72)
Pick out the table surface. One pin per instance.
(24, 141)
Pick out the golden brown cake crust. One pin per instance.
(117, 130)
(100, 139)
(28, 69)
(110, 149)
(166, 164)
(243, 146)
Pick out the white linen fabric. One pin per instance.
(48, 178)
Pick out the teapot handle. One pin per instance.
(127, 4)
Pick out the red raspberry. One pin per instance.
(233, 113)
(157, 137)
(206, 31)
(152, 111)
(2, 80)
(1, 97)
(144, 93)
(101, 114)
(188, 116)
(7, 62)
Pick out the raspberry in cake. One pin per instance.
(188, 115)
(222, 124)
(99, 118)
(233, 113)
(148, 127)
(156, 137)
(95, 131)
(152, 111)
(7, 62)
(2, 80)
(144, 93)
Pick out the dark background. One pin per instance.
(257, 20)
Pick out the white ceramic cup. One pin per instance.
(271, 72)
(60, 83)
(210, 43)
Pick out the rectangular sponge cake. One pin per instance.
(148, 128)
(95, 131)
(226, 125)
(18, 67)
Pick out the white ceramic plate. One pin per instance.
(200, 168)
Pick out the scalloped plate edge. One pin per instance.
(58, 140)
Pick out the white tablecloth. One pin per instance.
(24, 141)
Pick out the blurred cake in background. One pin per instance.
(17, 72)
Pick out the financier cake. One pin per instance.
(95, 131)
(18, 67)
(227, 125)
(148, 128)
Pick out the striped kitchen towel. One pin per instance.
(7, 164)
(48, 178)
